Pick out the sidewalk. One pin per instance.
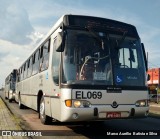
(154, 109)
(7, 122)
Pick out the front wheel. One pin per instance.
(10, 100)
(43, 117)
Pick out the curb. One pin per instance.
(11, 121)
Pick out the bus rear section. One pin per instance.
(10, 85)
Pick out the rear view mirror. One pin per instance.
(59, 40)
(144, 55)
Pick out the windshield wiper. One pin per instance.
(122, 39)
(92, 33)
(96, 37)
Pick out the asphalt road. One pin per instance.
(30, 121)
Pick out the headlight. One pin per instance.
(142, 103)
(77, 104)
(81, 104)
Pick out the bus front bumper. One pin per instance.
(103, 112)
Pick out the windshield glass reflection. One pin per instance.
(98, 58)
(86, 60)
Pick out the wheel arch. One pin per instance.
(39, 96)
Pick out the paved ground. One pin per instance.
(8, 122)
(154, 109)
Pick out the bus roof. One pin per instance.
(83, 20)
(91, 21)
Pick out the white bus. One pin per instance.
(86, 68)
(10, 86)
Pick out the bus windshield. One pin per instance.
(98, 58)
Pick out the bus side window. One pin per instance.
(44, 62)
(35, 62)
(29, 66)
(56, 62)
(21, 73)
(41, 68)
(18, 79)
(25, 71)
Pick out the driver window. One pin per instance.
(123, 57)
(126, 58)
(56, 63)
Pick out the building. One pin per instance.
(154, 82)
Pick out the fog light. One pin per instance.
(75, 116)
(77, 104)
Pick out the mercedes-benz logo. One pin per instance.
(114, 104)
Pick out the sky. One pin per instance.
(23, 23)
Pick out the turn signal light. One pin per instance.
(68, 103)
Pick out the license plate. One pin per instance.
(113, 115)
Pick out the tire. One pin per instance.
(10, 100)
(21, 106)
(6, 96)
(43, 117)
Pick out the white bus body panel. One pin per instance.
(42, 81)
(103, 105)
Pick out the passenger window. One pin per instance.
(18, 75)
(25, 71)
(35, 63)
(21, 73)
(29, 67)
(44, 62)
